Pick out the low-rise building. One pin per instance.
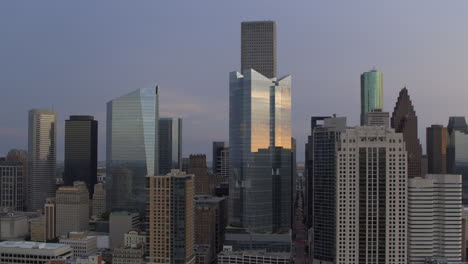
(13, 226)
(81, 243)
(134, 237)
(253, 257)
(32, 252)
(126, 255)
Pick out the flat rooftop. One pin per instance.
(30, 245)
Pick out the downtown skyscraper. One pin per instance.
(457, 151)
(170, 144)
(42, 133)
(132, 148)
(259, 137)
(371, 93)
(81, 151)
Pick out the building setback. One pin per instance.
(436, 145)
(405, 121)
(42, 131)
(81, 151)
(171, 207)
(371, 212)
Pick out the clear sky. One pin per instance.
(77, 55)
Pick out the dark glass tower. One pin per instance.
(81, 151)
(404, 120)
(457, 151)
(170, 144)
(321, 184)
(436, 145)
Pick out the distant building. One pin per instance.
(371, 93)
(170, 144)
(41, 157)
(19, 155)
(404, 120)
(211, 219)
(457, 151)
(72, 211)
(238, 241)
(134, 237)
(203, 254)
(11, 185)
(434, 218)
(13, 226)
(81, 151)
(185, 164)
(32, 252)
(197, 167)
(125, 255)
(171, 207)
(377, 117)
(50, 213)
(81, 243)
(37, 227)
(436, 145)
(99, 200)
(119, 224)
(221, 159)
(253, 257)
(132, 148)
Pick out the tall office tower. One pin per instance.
(42, 133)
(435, 218)
(99, 200)
(170, 144)
(81, 151)
(377, 117)
(171, 208)
(260, 152)
(50, 214)
(436, 147)
(197, 167)
(258, 47)
(457, 151)
(321, 184)
(221, 159)
(371, 212)
(132, 148)
(72, 204)
(19, 155)
(371, 93)
(11, 185)
(404, 120)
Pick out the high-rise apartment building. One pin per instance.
(457, 151)
(42, 131)
(72, 211)
(221, 159)
(81, 151)
(11, 185)
(99, 200)
(435, 218)
(436, 146)
(405, 121)
(19, 155)
(132, 148)
(371, 211)
(170, 144)
(371, 93)
(171, 222)
(321, 171)
(258, 47)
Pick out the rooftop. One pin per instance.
(30, 245)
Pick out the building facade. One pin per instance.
(170, 144)
(405, 121)
(171, 208)
(99, 200)
(132, 148)
(258, 47)
(19, 155)
(72, 213)
(436, 146)
(81, 244)
(50, 214)
(221, 159)
(204, 204)
(457, 151)
(42, 131)
(371, 211)
(260, 152)
(81, 151)
(32, 252)
(11, 185)
(253, 257)
(124, 255)
(197, 167)
(119, 224)
(371, 93)
(435, 218)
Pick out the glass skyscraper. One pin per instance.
(170, 144)
(371, 93)
(260, 152)
(457, 151)
(132, 148)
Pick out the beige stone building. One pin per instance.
(72, 205)
(99, 200)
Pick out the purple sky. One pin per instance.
(77, 55)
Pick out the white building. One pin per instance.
(133, 238)
(371, 211)
(253, 257)
(435, 213)
(81, 244)
(32, 252)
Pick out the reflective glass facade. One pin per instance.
(132, 148)
(371, 93)
(260, 152)
(170, 144)
(457, 151)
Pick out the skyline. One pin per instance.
(51, 58)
